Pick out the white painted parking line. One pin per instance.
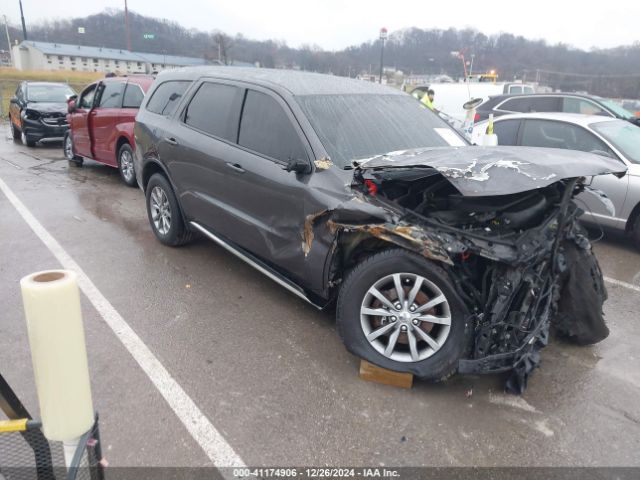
(208, 437)
(620, 283)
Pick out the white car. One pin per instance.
(588, 133)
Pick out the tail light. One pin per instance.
(476, 117)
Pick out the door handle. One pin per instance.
(171, 140)
(236, 166)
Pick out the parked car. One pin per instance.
(38, 111)
(554, 102)
(605, 136)
(442, 257)
(101, 123)
(450, 97)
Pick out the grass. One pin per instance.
(10, 78)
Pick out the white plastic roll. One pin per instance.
(490, 140)
(56, 334)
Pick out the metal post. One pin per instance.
(381, 60)
(126, 21)
(383, 37)
(24, 27)
(6, 29)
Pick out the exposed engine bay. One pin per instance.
(520, 261)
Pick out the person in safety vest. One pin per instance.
(427, 100)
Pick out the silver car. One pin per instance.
(620, 207)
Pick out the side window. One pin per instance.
(527, 89)
(580, 105)
(215, 109)
(515, 89)
(86, 98)
(545, 104)
(551, 134)
(167, 96)
(266, 129)
(133, 96)
(507, 132)
(110, 95)
(517, 105)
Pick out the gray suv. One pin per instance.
(441, 257)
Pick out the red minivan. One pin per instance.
(101, 122)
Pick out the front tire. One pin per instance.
(400, 311)
(125, 165)
(164, 213)
(635, 232)
(15, 133)
(26, 140)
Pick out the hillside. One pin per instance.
(611, 72)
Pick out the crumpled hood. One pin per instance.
(486, 171)
(47, 107)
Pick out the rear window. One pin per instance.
(167, 96)
(265, 128)
(532, 104)
(215, 109)
(133, 96)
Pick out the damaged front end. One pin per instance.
(505, 230)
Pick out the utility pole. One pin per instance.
(24, 27)
(383, 37)
(6, 29)
(126, 21)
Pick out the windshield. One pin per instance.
(617, 109)
(353, 127)
(49, 93)
(622, 135)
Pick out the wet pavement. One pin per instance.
(269, 371)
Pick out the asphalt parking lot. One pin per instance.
(268, 371)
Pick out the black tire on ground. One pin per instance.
(125, 165)
(15, 132)
(441, 364)
(69, 151)
(635, 232)
(28, 141)
(158, 189)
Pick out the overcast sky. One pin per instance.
(335, 24)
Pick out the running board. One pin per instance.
(258, 265)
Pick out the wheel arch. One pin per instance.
(122, 139)
(350, 248)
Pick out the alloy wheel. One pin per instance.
(405, 317)
(126, 165)
(160, 210)
(68, 147)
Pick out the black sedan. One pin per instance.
(38, 111)
(440, 257)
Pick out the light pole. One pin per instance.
(471, 65)
(24, 26)
(383, 37)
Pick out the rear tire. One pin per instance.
(125, 165)
(69, 151)
(429, 350)
(164, 212)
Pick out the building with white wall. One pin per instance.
(58, 56)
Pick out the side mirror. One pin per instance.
(14, 100)
(71, 104)
(298, 165)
